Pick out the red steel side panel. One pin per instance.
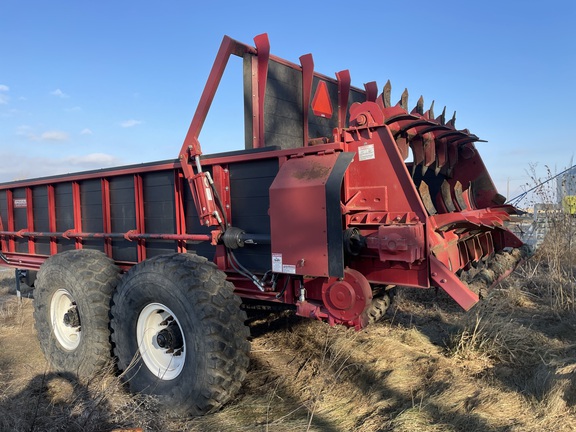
(298, 216)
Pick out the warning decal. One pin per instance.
(366, 152)
(277, 262)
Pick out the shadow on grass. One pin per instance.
(54, 401)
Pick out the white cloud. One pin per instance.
(93, 159)
(50, 135)
(54, 136)
(130, 123)
(59, 93)
(15, 166)
(23, 130)
(3, 96)
(85, 131)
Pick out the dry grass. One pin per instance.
(508, 365)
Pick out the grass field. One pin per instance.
(507, 365)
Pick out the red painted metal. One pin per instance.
(140, 221)
(179, 214)
(77, 211)
(129, 235)
(298, 215)
(263, 54)
(344, 81)
(11, 219)
(52, 218)
(30, 219)
(307, 63)
(106, 219)
(347, 298)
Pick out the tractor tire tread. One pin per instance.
(225, 337)
(90, 277)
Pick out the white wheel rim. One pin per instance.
(62, 309)
(163, 363)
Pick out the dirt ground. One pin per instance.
(507, 365)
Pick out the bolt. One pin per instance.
(361, 120)
(443, 281)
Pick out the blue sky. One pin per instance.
(86, 85)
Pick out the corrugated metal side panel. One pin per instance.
(249, 191)
(91, 209)
(123, 216)
(159, 210)
(20, 221)
(64, 213)
(41, 218)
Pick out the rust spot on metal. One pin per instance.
(313, 171)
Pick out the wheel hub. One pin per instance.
(161, 341)
(71, 318)
(65, 320)
(170, 338)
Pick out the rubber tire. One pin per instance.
(208, 311)
(90, 277)
(30, 278)
(378, 308)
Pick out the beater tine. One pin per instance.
(431, 111)
(403, 102)
(442, 117)
(429, 150)
(419, 108)
(447, 196)
(458, 193)
(452, 121)
(426, 198)
(386, 94)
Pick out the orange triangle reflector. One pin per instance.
(321, 104)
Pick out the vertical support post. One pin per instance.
(106, 219)
(139, 211)
(52, 218)
(263, 50)
(179, 213)
(371, 91)
(30, 220)
(3, 243)
(343, 78)
(11, 223)
(222, 185)
(77, 211)
(307, 63)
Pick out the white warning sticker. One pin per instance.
(366, 152)
(291, 269)
(277, 262)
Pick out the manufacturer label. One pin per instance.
(20, 203)
(290, 269)
(366, 152)
(277, 263)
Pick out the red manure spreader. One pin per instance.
(336, 197)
